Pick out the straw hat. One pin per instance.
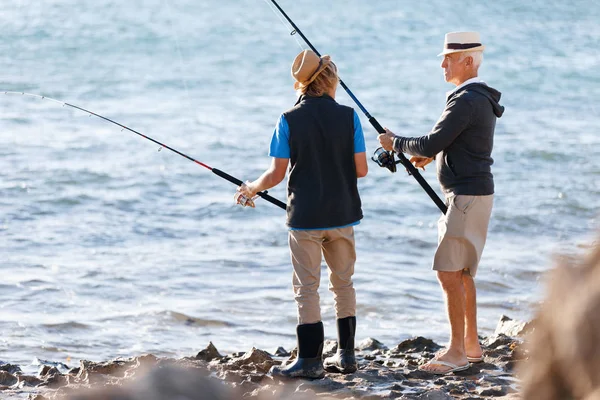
(307, 66)
(456, 42)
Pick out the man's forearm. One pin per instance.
(266, 181)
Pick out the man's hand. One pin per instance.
(420, 162)
(245, 194)
(247, 189)
(386, 140)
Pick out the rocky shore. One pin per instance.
(384, 373)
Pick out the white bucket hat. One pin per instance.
(456, 42)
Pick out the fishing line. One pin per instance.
(285, 24)
(384, 159)
(215, 171)
(178, 48)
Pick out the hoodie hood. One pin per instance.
(492, 95)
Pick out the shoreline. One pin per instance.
(384, 373)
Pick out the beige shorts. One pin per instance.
(462, 232)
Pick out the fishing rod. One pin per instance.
(215, 171)
(383, 158)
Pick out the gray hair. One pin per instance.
(476, 55)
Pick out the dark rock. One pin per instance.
(28, 380)
(36, 397)
(7, 379)
(321, 385)
(329, 347)
(10, 368)
(281, 352)
(255, 378)
(146, 360)
(59, 365)
(494, 342)
(509, 327)
(96, 373)
(55, 381)
(435, 395)
(232, 376)
(47, 370)
(209, 353)
(493, 380)
(416, 345)
(495, 391)
(254, 356)
(418, 374)
(371, 344)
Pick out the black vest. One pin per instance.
(322, 191)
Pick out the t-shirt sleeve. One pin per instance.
(280, 142)
(359, 137)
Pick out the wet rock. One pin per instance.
(382, 374)
(418, 344)
(146, 360)
(496, 341)
(509, 327)
(232, 376)
(254, 356)
(47, 370)
(209, 353)
(281, 352)
(329, 347)
(492, 380)
(55, 381)
(36, 397)
(59, 365)
(418, 374)
(28, 380)
(495, 391)
(321, 385)
(435, 395)
(98, 373)
(10, 368)
(370, 344)
(254, 360)
(7, 379)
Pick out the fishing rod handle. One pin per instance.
(236, 181)
(413, 171)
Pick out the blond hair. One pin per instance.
(324, 82)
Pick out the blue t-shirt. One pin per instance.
(280, 142)
(280, 148)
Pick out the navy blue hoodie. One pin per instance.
(461, 141)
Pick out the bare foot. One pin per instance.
(473, 349)
(457, 360)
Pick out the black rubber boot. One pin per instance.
(344, 360)
(309, 363)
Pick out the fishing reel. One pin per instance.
(385, 159)
(244, 201)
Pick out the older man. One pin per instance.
(461, 142)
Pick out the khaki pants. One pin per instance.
(462, 233)
(337, 246)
